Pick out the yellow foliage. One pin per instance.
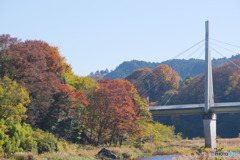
(158, 133)
(13, 99)
(85, 84)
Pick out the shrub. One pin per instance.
(47, 145)
(159, 133)
(46, 142)
(29, 145)
(125, 155)
(15, 137)
(63, 145)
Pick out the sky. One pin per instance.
(98, 34)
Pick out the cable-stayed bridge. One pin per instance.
(208, 109)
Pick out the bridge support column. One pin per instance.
(209, 126)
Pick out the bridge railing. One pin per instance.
(190, 109)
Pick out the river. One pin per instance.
(167, 157)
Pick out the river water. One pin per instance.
(168, 157)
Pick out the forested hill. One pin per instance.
(191, 67)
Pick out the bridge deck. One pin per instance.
(189, 109)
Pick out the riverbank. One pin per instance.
(193, 148)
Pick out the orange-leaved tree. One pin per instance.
(113, 112)
(157, 83)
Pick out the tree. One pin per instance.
(141, 104)
(85, 84)
(41, 69)
(99, 74)
(65, 114)
(13, 100)
(6, 40)
(36, 65)
(138, 74)
(112, 112)
(138, 77)
(156, 83)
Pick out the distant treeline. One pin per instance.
(191, 67)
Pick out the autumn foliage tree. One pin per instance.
(226, 82)
(113, 112)
(34, 64)
(85, 84)
(41, 69)
(156, 84)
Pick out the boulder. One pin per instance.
(106, 153)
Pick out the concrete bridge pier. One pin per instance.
(209, 126)
(209, 119)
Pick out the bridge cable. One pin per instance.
(154, 84)
(226, 43)
(224, 48)
(195, 51)
(158, 80)
(226, 58)
(168, 98)
(201, 53)
(151, 86)
(187, 50)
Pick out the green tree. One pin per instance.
(13, 99)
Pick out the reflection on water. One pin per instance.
(160, 158)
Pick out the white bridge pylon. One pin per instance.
(209, 109)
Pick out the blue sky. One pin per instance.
(100, 34)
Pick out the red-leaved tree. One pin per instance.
(111, 113)
(38, 67)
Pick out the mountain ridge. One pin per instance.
(183, 67)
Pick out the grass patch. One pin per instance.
(126, 152)
(149, 148)
(57, 156)
(88, 152)
(168, 151)
(23, 156)
(233, 149)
